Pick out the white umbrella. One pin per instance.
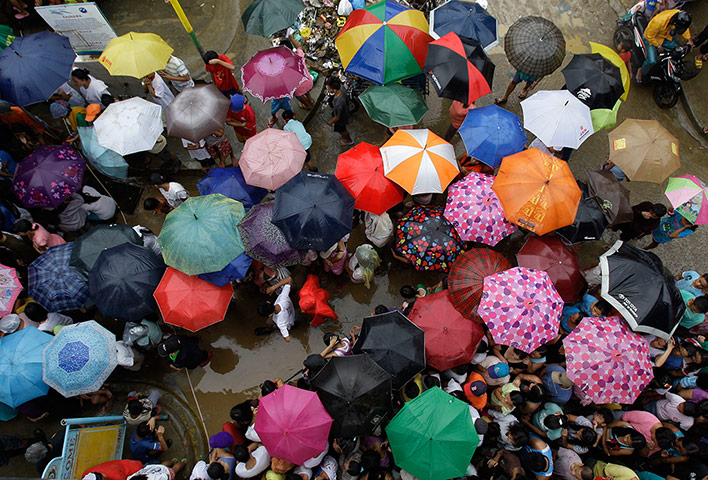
(129, 126)
(557, 118)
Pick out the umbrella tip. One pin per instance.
(195, 216)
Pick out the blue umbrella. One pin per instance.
(54, 284)
(21, 366)
(106, 161)
(79, 359)
(491, 133)
(235, 270)
(33, 67)
(230, 183)
(466, 19)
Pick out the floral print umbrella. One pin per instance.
(521, 308)
(10, 288)
(48, 176)
(427, 239)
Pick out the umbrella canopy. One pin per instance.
(129, 126)
(313, 210)
(263, 241)
(534, 46)
(34, 66)
(190, 302)
(466, 279)
(235, 270)
(558, 261)
(427, 239)
(589, 221)
(361, 171)
(607, 361)
(266, 17)
(10, 288)
(21, 366)
(433, 436)
(459, 68)
(356, 392)
(521, 308)
(271, 158)
(451, 340)
(467, 19)
(595, 80)
(196, 112)
(537, 191)
(200, 236)
(54, 284)
(419, 161)
(603, 118)
(617, 61)
(687, 194)
(491, 133)
(123, 279)
(230, 183)
(106, 161)
(273, 73)
(611, 195)
(395, 344)
(475, 211)
(135, 55)
(48, 176)
(633, 281)
(557, 118)
(644, 150)
(393, 105)
(89, 246)
(293, 424)
(384, 42)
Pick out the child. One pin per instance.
(281, 312)
(296, 127)
(198, 151)
(158, 89)
(221, 69)
(175, 194)
(40, 237)
(157, 205)
(242, 118)
(219, 147)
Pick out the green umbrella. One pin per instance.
(393, 105)
(265, 17)
(200, 236)
(604, 117)
(433, 437)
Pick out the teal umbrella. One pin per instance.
(265, 17)
(106, 161)
(200, 236)
(393, 105)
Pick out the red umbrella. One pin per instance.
(450, 338)
(559, 261)
(466, 278)
(190, 302)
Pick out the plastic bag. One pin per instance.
(345, 8)
(313, 301)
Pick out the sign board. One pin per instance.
(83, 23)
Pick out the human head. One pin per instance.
(59, 109)
(411, 390)
(534, 462)
(534, 393)
(681, 21)
(216, 471)
(9, 324)
(353, 468)
(624, 45)
(156, 179)
(658, 210)
(36, 452)
(265, 309)
(36, 312)
(138, 476)
(555, 422)
(135, 408)
(169, 345)
(5, 107)
(370, 460)
(92, 111)
(107, 99)
(288, 115)
(327, 337)
(268, 387)
(517, 435)
(151, 203)
(601, 308)
(241, 453)
(516, 398)
(80, 76)
(408, 291)
(689, 409)
(143, 430)
(241, 413)
(498, 370)
(701, 283)
(699, 304)
(314, 363)
(380, 309)
(636, 439)
(333, 84)
(664, 438)
(369, 261)
(237, 102)
(22, 226)
(210, 55)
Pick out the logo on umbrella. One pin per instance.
(435, 79)
(584, 93)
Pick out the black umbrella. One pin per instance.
(596, 81)
(589, 221)
(534, 46)
(395, 343)
(611, 195)
(89, 246)
(356, 392)
(634, 282)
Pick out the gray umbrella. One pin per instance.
(196, 112)
(534, 46)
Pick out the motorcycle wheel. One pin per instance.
(621, 34)
(665, 95)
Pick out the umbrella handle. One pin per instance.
(295, 375)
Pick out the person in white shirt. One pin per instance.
(674, 408)
(46, 321)
(175, 194)
(149, 239)
(68, 94)
(176, 72)
(158, 89)
(282, 313)
(252, 461)
(198, 151)
(101, 207)
(90, 87)
(163, 471)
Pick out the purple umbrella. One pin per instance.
(48, 176)
(264, 241)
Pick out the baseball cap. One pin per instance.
(237, 102)
(481, 426)
(159, 146)
(9, 323)
(498, 370)
(475, 389)
(92, 111)
(59, 109)
(168, 345)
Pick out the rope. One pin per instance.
(199, 409)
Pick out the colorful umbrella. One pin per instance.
(491, 133)
(129, 126)
(384, 42)
(10, 288)
(537, 191)
(361, 171)
(557, 260)
(611, 195)
(592, 78)
(419, 161)
(271, 158)
(190, 302)
(273, 73)
(266, 17)
(230, 183)
(603, 118)
(21, 366)
(467, 19)
(89, 246)
(293, 424)
(263, 241)
(427, 239)
(617, 61)
(106, 161)
(521, 308)
(48, 176)
(135, 55)
(687, 194)
(607, 361)
(393, 105)
(475, 211)
(466, 279)
(534, 46)
(54, 284)
(589, 221)
(235, 270)
(196, 112)
(557, 118)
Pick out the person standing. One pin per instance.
(176, 72)
(458, 112)
(281, 312)
(646, 216)
(182, 351)
(158, 89)
(296, 127)
(222, 73)
(90, 87)
(175, 194)
(242, 118)
(340, 111)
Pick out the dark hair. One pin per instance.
(586, 473)
(604, 307)
(606, 414)
(328, 336)
(88, 198)
(265, 309)
(703, 408)
(411, 389)
(534, 461)
(627, 45)
(292, 476)
(483, 347)
(268, 387)
(691, 446)
(379, 309)
(690, 409)
(107, 99)
(216, 471)
(516, 398)
(36, 312)
(135, 408)
(370, 460)
(702, 381)
(658, 209)
(139, 476)
(587, 437)
(521, 436)
(555, 422)
(210, 55)
(701, 303)
(430, 381)
(520, 353)
(241, 453)
(532, 392)
(241, 413)
(288, 115)
(354, 468)
(637, 439)
(22, 225)
(143, 430)
(689, 347)
(80, 73)
(334, 83)
(156, 179)
(444, 283)
(151, 203)
(665, 438)
(408, 291)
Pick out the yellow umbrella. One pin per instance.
(613, 57)
(644, 150)
(136, 54)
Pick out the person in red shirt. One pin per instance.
(242, 118)
(221, 69)
(113, 470)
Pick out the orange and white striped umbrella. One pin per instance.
(419, 161)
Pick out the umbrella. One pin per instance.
(384, 42)
(467, 19)
(79, 359)
(89, 246)
(313, 210)
(611, 195)
(356, 392)
(433, 436)
(235, 270)
(293, 424)
(196, 112)
(395, 344)
(34, 66)
(634, 282)
(607, 361)
(617, 61)
(393, 105)
(491, 133)
(129, 126)
(687, 194)
(200, 235)
(263, 241)
(273, 73)
(106, 161)
(521, 308)
(21, 366)
(230, 183)
(271, 158)
(603, 118)
(558, 261)
(557, 118)
(537, 191)
(589, 221)
(644, 150)
(474, 210)
(48, 176)
(596, 81)
(10, 288)
(534, 46)
(451, 340)
(466, 279)
(361, 171)
(190, 302)
(266, 17)
(122, 280)
(54, 284)
(135, 55)
(427, 239)
(459, 68)
(419, 161)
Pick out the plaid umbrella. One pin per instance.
(263, 241)
(54, 284)
(534, 46)
(427, 239)
(10, 288)
(466, 279)
(521, 308)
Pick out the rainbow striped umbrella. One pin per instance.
(687, 194)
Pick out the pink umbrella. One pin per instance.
(475, 211)
(607, 361)
(521, 308)
(10, 288)
(273, 73)
(293, 424)
(271, 158)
